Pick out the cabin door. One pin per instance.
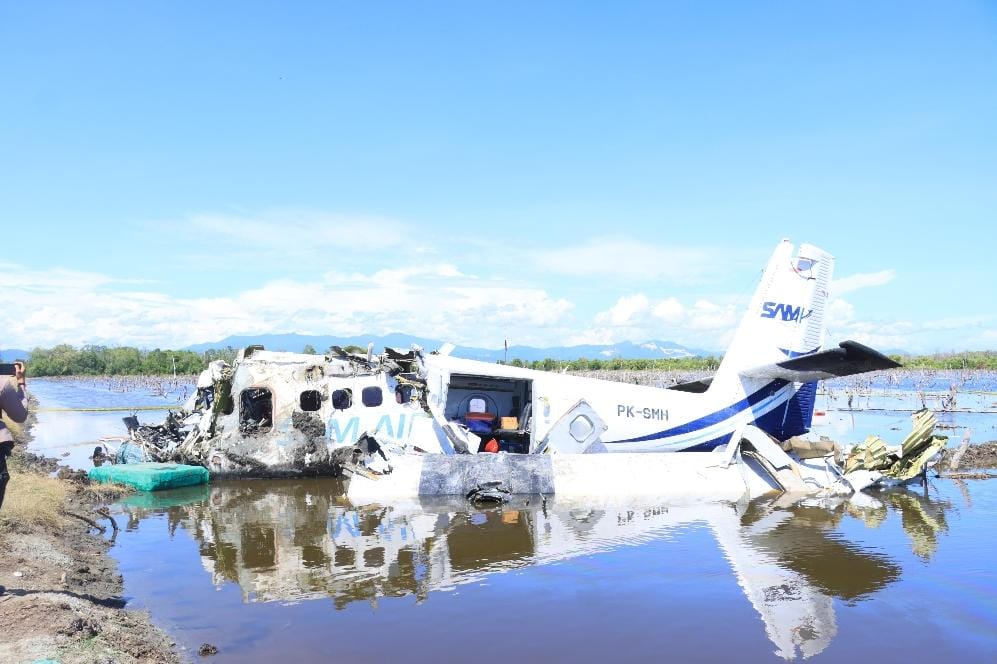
(575, 432)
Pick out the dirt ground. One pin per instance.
(62, 593)
(980, 455)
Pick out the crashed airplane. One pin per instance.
(411, 422)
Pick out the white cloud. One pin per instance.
(401, 275)
(284, 240)
(669, 310)
(15, 277)
(861, 280)
(279, 230)
(437, 301)
(938, 335)
(704, 324)
(626, 311)
(591, 336)
(635, 260)
(428, 297)
(839, 312)
(705, 316)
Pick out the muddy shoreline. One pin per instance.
(976, 457)
(62, 596)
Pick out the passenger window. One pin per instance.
(255, 410)
(311, 400)
(403, 394)
(372, 397)
(342, 399)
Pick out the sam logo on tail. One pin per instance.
(785, 311)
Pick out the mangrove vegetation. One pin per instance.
(66, 360)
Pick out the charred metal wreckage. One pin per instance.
(279, 414)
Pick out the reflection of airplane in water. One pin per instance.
(294, 541)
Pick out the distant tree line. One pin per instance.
(66, 360)
(985, 360)
(618, 363)
(91, 360)
(974, 360)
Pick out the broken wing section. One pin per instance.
(849, 358)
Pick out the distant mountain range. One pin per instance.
(12, 354)
(297, 342)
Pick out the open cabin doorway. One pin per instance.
(493, 408)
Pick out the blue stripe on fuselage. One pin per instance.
(793, 353)
(708, 446)
(713, 418)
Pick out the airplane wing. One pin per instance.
(850, 357)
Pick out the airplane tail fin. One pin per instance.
(779, 340)
(784, 320)
(786, 316)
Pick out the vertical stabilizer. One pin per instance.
(786, 316)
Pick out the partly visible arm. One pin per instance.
(14, 397)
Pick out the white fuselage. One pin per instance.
(637, 418)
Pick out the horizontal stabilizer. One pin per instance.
(695, 386)
(849, 358)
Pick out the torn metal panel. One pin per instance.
(276, 413)
(903, 462)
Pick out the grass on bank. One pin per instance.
(32, 500)
(36, 500)
(104, 493)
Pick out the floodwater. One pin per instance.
(856, 407)
(289, 569)
(265, 570)
(70, 422)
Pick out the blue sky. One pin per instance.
(547, 173)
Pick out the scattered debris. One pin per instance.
(88, 521)
(488, 493)
(207, 649)
(951, 400)
(905, 462)
(957, 456)
(970, 476)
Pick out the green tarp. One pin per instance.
(150, 476)
(167, 498)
